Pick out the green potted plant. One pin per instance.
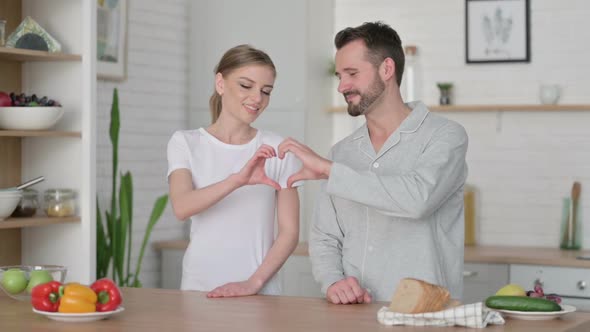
(445, 92)
(114, 235)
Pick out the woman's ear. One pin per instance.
(387, 69)
(219, 84)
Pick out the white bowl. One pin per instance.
(29, 118)
(7, 204)
(53, 272)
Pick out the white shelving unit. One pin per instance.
(65, 155)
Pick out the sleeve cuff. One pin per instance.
(329, 281)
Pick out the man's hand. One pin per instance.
(253, 172)
(314, 166)
(232, 289)
(347, 291)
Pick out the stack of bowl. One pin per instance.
(9, 199)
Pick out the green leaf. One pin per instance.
(123, 227)
(114, 135)
(102, 253)
(129, 189)
(159, 207)
(112, 231)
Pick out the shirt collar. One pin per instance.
(409, 125)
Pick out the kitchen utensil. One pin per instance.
(30, 183)
(24, 185)
(570, 237)
(576, 190)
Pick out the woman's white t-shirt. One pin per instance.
(229, 240)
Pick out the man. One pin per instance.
(392, 205)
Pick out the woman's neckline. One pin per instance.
(222, 143)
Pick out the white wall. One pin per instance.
(297, 36)
(153, 103)
(521, 162)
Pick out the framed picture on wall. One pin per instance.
(497, 31)
(111, 38)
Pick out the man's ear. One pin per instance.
(387, 69)
(219, 84)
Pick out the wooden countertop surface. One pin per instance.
(174, 310)
(473, 254)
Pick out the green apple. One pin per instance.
(14, 281)
(38, 277)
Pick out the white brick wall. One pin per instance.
(153, 103)
(522, 163)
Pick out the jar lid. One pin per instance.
(60, 193)
(411, 50)
(30, 193)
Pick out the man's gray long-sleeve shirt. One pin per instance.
(397, 213)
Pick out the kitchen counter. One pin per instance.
(174, 310)
(473, 254)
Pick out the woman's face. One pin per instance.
(245, 92)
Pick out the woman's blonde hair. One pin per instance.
(234, 58)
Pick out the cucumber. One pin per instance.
(521, 303)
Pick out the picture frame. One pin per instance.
(497, 31)
(111, 39)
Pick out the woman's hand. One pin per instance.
(232, 289)
(253, 172)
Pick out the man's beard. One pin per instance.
(367, 99)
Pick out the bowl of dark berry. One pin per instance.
(28, 112)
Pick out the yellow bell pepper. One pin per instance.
(77, 298)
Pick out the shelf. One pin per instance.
(493, 108)
(35, 222)
(24, 55)
(39, 133)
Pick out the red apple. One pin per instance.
(5, 100)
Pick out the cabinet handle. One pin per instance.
(581, 285)
(468, 274)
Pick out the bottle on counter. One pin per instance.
(412, 78)
(469, 210)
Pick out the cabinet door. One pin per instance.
(171, 273)
(572, 284)
(297, 278)
(483, 280)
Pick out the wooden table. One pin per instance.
(173, 310)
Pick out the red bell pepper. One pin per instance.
(109, 296)
(45, 297)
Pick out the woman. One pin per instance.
(228, 180)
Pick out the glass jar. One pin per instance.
(60, 202)
(27, 207)
(2, 31)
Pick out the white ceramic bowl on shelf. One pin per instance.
(8, 202)
(29, 118)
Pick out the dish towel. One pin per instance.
(474, 315)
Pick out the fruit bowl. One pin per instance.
(18, 280)
(8, 202)
(29, 118)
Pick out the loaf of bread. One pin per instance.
(414, 296)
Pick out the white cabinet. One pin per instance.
(482, 280)
(572, 284)
(297, 278)
(171, 271)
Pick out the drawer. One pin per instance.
(565, 281)
(483, 272)
(481, 280)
